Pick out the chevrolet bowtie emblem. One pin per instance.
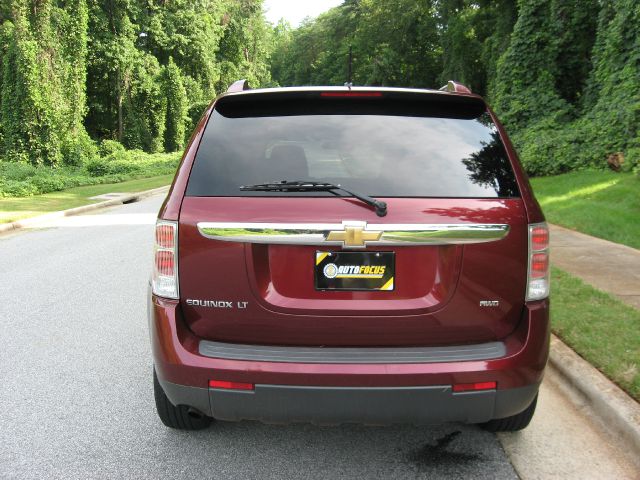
(353, 236)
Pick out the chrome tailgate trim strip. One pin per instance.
(353, 234)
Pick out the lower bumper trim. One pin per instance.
(367, 405)
(336, 405)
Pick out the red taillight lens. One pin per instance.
(470, 387)
(538, 269)
(164, 262)
(351, 94)
(230, 385)
(164, 280)
(539, 265)
(539, 238)
(164, 236)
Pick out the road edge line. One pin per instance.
(35, 221)
(618, 412)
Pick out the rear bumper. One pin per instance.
(375, 393)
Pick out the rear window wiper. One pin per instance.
(302, 186)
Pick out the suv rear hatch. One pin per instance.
(445, 265)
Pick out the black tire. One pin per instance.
(176, 417)
(513, 423)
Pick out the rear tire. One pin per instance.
(176, 417)
(513, 423)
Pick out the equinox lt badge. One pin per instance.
(215, 303)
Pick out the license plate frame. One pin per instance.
(354, 271)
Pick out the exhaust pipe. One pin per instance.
(195, 413)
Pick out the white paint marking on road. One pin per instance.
(101, 220)
(110, 196)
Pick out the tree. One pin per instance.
(145, 106)
(281, 44)
(613, 116)
(525, 87)
(461, 47)
(244, 47)
(405, 52)
(189, 33)
(112, 59)
(575, 23)
(402, 52)
(176, 113)
(494, 25)
(42, 100)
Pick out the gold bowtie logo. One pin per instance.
(355, 236)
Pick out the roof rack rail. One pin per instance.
(238, 86)
(455, 87)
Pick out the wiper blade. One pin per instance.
(302, 186)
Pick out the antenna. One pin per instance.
(349, 82)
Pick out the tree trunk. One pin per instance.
(119, 102)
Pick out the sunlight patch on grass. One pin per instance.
(580, 192)
(604, 204)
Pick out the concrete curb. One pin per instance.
(35, 221)
(618, 412)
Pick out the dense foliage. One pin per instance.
(564, 75)
(42, 93)
(77, 72)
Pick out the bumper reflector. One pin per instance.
(469, 387)
(230, 385)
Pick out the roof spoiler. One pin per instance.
(454, 87)
(239, 86)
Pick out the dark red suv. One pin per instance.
(337, 254)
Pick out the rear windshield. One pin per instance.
(384, 152)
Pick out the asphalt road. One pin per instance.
(76, 385)
(77, 398)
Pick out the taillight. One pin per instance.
(164, 280)
(538, 269)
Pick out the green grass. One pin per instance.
(12, 209)
(603, 330)
(600, 203)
